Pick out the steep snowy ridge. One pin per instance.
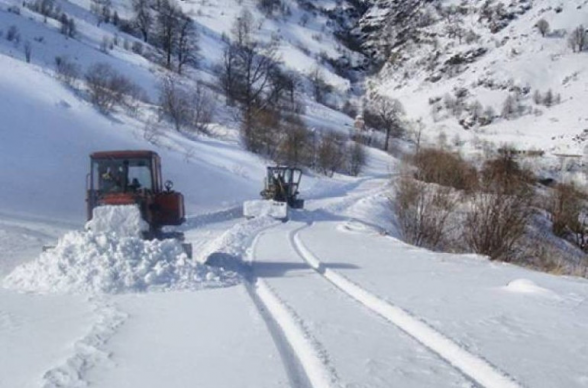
(482, 72)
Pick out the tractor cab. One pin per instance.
(281, 185)
(133, 177)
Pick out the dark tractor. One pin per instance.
(281, 185)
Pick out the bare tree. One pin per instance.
(187, 42)
(294, 149)
(67, 71)
(143, 19)
(174, 102)
(357, 158)
(385, 113)
(320, 88)
(228, 74)
(202, 107)
(330, 153)
(28, 50)
(543, 27)
(578, 39)
(168, 22)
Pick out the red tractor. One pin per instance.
(134, 177)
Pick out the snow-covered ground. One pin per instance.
(328, 299)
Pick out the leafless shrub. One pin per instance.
(173, 102)
(107, 87)
(504, 174)
(67, 71)
(259, 134)
(137, 48)
(28, 50)
(320, 87)
(543, 27)
(202, 108)
(567, 210)
(445, 168)
(422, 211)
(356, 158)
(512, 107)
(68, 26)
(105, 44)
(330, 153)
(500, 211)
(578, 39)
(496, 221)
(152, 131)
(12, 34)
(15, 9)
(296, 146)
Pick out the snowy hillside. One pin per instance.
(455, 64)
(331, 298)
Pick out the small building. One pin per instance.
(359, 123)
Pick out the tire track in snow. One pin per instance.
(87, 351)
(471, 365)
(305, 362)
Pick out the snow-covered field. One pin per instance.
(330, 298)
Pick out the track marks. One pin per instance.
(473, 366)
(299, 344)
(87, 351)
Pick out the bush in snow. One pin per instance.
(567, 210)
(499, 213)
(269, 7)
(107, 87)
(578, 39)
(68, 26)
(13, 35)
(260, 134)
(512, 107)
(356, 158)
(543, 27)
(191, 110)
(548, 100)
(320, 88)
(445, 168)
(296, 146)
(28, 50)
(137, 48)
(67, 71)
(422, 211)
(330, 153)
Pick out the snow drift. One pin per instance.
(115, 260)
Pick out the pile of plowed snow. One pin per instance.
(110, 257)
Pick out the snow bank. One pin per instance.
(124, 221)
(260, 208)
(115, 260)
(526, 286)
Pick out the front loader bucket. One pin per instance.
(260, 208)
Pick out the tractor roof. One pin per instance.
(137, 154)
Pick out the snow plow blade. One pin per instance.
(260, 208)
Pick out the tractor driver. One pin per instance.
(111, 180)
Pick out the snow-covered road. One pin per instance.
(327, 299)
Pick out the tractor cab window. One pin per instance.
(296, 175)
(140, 175)
(128, 175)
